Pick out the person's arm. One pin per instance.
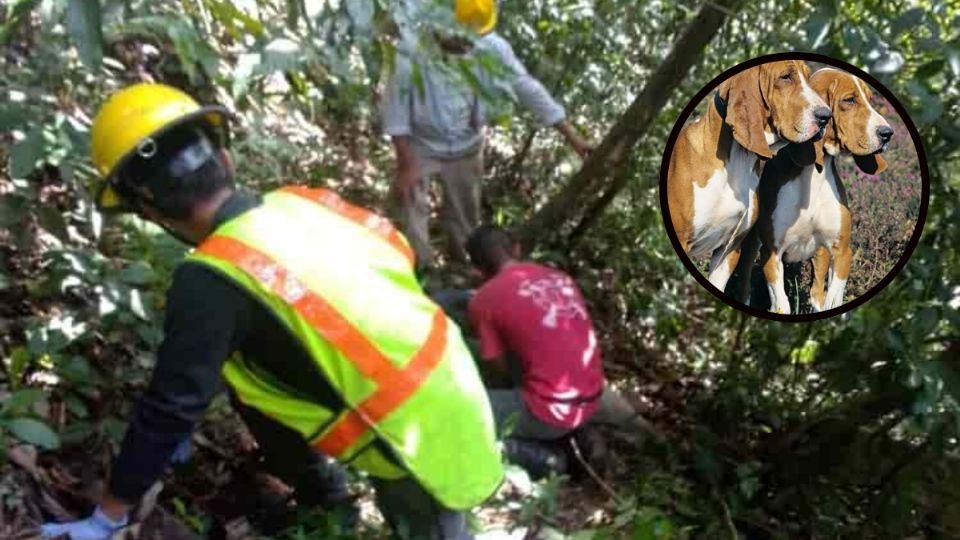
(573, 138)
(494, 369)
(399, 126)
(203, 316)
(408, 173)
(532, 94)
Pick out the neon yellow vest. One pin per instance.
(341, 280)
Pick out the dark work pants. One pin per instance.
(318, 480)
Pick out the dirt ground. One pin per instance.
(220, 494)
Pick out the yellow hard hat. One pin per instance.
(134, 116)
(480, 15)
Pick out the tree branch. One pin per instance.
(619, 143)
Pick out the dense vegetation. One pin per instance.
(842, 428)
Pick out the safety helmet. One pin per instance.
(131, 122)
(480, 15)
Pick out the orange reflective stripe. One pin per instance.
(394, 385)
(390, 394)
(323, 317)
(375, 223)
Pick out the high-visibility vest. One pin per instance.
(340, 278)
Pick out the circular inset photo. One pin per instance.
(794, 187)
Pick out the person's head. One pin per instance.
(491, 248)
(477, 15)
(161, 155)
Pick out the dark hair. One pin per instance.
(488, 246)
(182, 169)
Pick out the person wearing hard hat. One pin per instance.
(294, 299)
(435, 120)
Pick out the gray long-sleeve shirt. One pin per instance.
(443, 113)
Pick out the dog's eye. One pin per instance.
(787, 76)
(850, 100)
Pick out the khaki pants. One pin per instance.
(460, 211)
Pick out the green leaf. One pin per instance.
(13, 116)
(909, 18)
(76, 406)
(25, 154)
(20, 401)
(52, 221)
(192, 49)
(806, 354)
(114, 428)
(34, 432)
(13, 208)
(83, 22)
(925, 322)
(19, 359)
(817, 27)
(138, 273)
(76, 370)
(77, 431)
(946, 372)
(233, 19)
(931, 69)
(247, 65)
(888, 62)
(190, 46)
(77, 133)
(953, 56)
(280, 55)
(15, 13)
(931, 108)
(416, 75)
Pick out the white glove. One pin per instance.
(182, 453)
(96, 527)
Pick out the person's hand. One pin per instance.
(581, 147)
(404, 184)
(578, 143)
(96, 527)
(182, 452)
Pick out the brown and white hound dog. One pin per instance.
(803, 205)
(714, 168)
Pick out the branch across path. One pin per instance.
(593, 187)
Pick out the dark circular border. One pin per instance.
(911, 244)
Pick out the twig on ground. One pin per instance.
(727, 518)
(593, 474)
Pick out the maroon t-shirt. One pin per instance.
(538, 314)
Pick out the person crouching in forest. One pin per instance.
(533, 328)
(309, 309)
(435, 120)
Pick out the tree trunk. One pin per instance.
(593, 186)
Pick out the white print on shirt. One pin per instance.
(556, 295)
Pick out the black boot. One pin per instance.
(538, 458)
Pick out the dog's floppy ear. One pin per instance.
(870, 164)
(828, 93)
(746, 112)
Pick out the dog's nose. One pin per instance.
(822, 115)
(885, 133)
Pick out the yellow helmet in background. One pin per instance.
(480, 15)
(129, 122)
